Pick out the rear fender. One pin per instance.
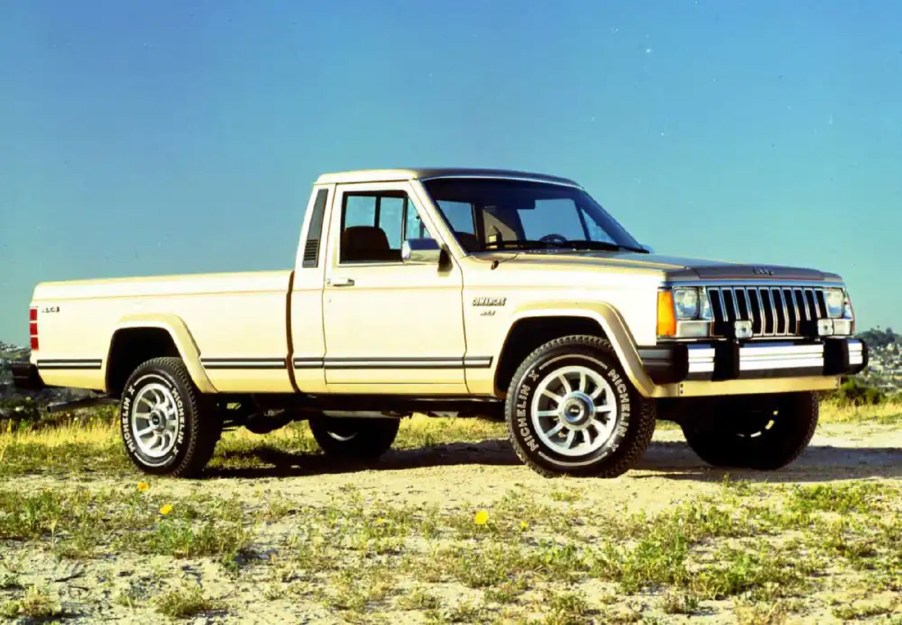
(181, 336)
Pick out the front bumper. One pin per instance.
(26, 377)
(732, 360)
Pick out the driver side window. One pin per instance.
(375, 223)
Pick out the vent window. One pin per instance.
(315, 232)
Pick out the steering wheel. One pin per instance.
(553, 238)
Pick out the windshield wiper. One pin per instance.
(522, 244)
(575, 244)
(594, 245)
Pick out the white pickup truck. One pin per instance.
(474, 292)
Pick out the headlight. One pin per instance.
(686, 303)
(836, 302)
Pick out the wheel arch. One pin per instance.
(535, 326)
(138, 338)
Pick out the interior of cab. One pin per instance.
(486, 213)
(374, 225)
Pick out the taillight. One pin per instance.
(33, 328)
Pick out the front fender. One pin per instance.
(181, 336)
(611, 323)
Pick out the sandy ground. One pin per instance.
(450, 476)
(480, 473)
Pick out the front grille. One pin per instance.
(773, 310)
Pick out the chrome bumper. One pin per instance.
(730, 360)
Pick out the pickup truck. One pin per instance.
(466, 292)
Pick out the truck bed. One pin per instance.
(77, 321)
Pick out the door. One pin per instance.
(390, 326)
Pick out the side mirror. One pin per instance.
(421, 251)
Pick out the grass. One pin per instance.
(89, 442)
(765, 573)
(677, 602)
(886, 413)
(96, 447)
(761, 614)
(36, 604)
(567, 608)
(418, 599)
(353, 589)
(78, 521)
(856, 497)
(185, 602)
(861, 610)
(755, 549)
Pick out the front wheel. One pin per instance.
(166, 427)
(571, 410)
(764, 432)
(354, 438)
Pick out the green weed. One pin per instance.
(185, 602)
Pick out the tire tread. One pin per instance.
(206, 428)
(636, 445)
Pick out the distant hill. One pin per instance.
(880, 338)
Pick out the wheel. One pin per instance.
(357, 438)
(571, 409)
(164, 423)
(762, 432)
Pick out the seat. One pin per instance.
(502, 222)
(366, 243)
(468, 241)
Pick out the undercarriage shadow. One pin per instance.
(667, 460)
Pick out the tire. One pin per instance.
(160, 395)
(614, 434)
(763, 432)
(354, 438)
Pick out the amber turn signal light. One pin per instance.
(666, 316)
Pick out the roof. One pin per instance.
(389, 175)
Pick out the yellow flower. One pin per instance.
(166, 509)
(481, 518)
(143, 486)
(524, 525)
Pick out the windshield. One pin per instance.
(491, 214)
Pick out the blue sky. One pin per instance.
(174, 137)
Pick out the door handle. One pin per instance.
(340, 282)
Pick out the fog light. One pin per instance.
(742, 329)
(825, 327)
(842, 326)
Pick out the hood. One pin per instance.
(674, 267)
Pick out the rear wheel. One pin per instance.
(572, 410)
(164, 422)
(356, 438)
(763, 432)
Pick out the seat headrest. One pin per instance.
(470, 242)
(365, 243)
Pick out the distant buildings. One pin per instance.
(885, 367)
